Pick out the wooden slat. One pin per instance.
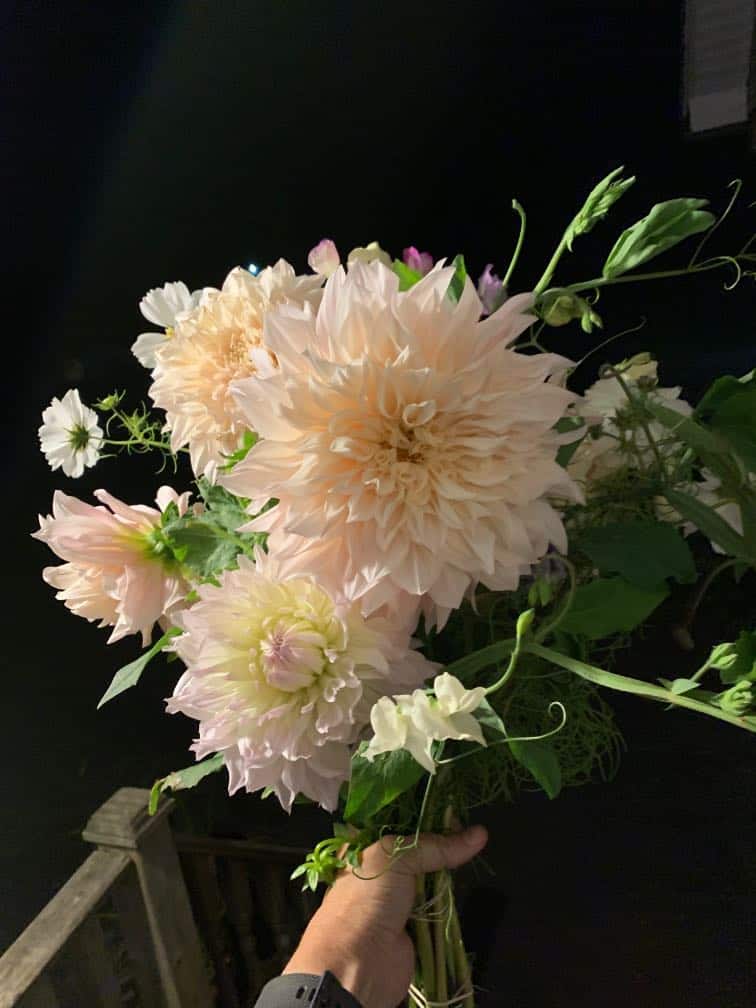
(212, 911)
(260, 850)
(50, 930)
(90, 963)
(135, 929)
(124, 822)
(241, 913)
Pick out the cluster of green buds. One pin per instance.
(332, 856)
(559, 307)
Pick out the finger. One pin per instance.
(433, 852)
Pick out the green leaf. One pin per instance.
(180, 780)
(539, 758)
(720, 391)
(645, 553)
(491, 723)
(735, 419)
(713, 526)
(206, 548)
(227, 509)
(375, 785)
(457, 284)
(248, 441)
(710, 447)
(130, 674)
(624, 684)
(680, 686)
(666, 225)
(610, 605)
(407, 276)
(565, 453)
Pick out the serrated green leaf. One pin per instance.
(375, 785)
(610, 605)
(540, 760)
(129, 675)
(645, 553)
(207, 549)
(713, 526)
(181, 780)
(666, 225)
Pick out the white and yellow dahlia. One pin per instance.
(407, 443)
(213, 345)
(282, 673)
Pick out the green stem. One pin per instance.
(603, 281)
(548, 629)
(147, 442)
(518, 247)
(692, 607)
(643, 422)
(423, 943)
(439, 935)
(461, 965)
(624, 684)
(548, 273)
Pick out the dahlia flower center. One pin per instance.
(292, 657)
(237, 352)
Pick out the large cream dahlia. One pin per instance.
(219, 342)
(282, 672)
(406, 442)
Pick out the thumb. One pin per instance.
(435, 852)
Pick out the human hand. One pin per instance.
(358, 933)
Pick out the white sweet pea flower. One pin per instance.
(415, 721)
(70, 436)
(370, 253)
(162, 306)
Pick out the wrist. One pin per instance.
(343, 955)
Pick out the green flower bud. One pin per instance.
(738, 698)
(524, 622)
(558, 308)
(109, 402)
(723, 657)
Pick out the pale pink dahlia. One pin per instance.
(218, 342)
(406, 442)
(282, 674)
(115, 571)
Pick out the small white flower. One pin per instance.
(70, 436)
(415, 721)
(162, 306)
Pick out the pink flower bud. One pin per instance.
(420, 262)
(324, 258)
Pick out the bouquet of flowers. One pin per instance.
(410, 550)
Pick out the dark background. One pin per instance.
(155, 142)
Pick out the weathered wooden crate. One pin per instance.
(156, 919)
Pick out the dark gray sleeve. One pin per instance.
(304, 990)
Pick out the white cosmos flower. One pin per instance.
(415, 721)
(70, 436)
(162, 306)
